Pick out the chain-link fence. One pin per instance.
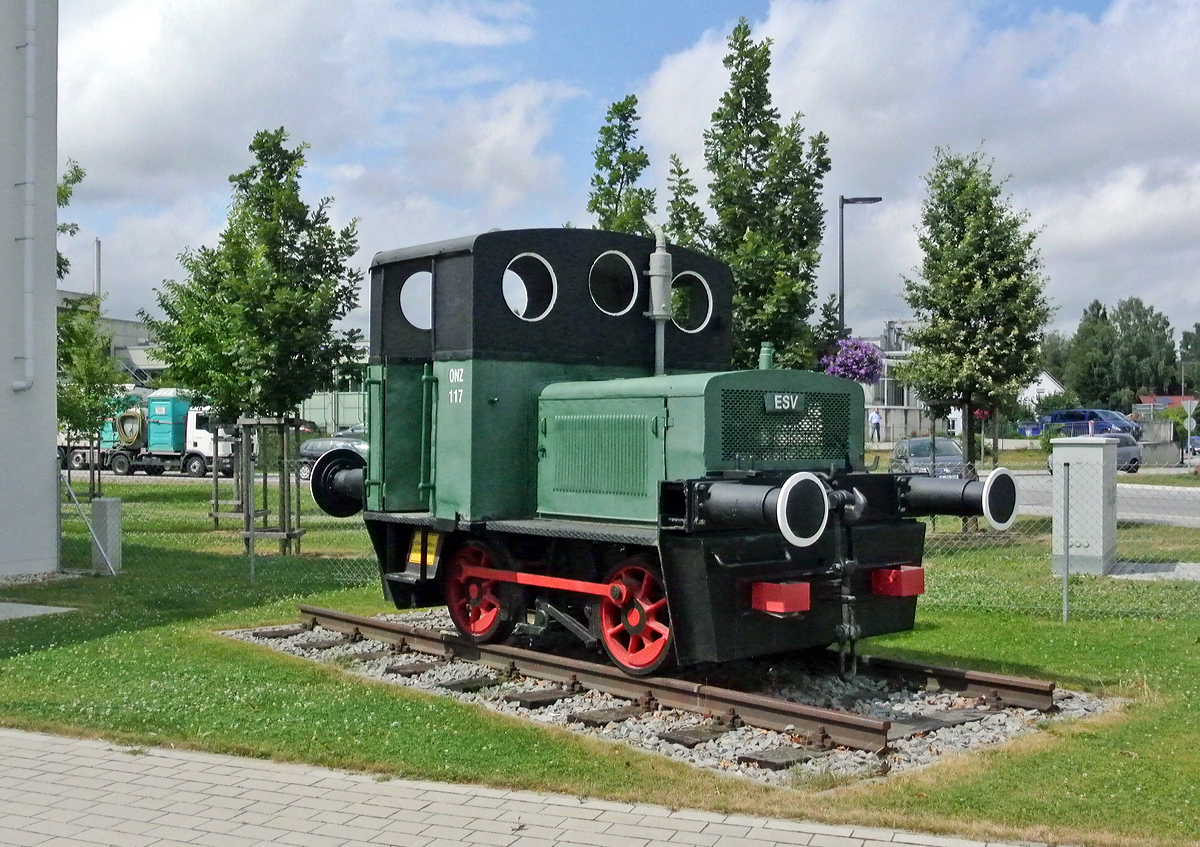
(1130, 535)
(171, 530)
(1126, 528)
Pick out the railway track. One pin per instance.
(819, 727)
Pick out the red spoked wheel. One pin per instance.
(636, 630)
(483, 610)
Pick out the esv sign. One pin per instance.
(778, 402)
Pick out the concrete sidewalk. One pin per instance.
(62, 791)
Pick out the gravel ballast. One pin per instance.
(789, 679)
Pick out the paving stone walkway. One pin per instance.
(8, 611)
(63, 791)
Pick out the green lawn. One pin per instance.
(139, 663)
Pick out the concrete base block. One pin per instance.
(106, 523)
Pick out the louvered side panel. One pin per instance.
(598, 463)
(601, 454)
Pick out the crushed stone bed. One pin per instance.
(787, 678)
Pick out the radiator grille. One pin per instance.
(748, 433)
(601, 454)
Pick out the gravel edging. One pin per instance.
(13, 580)
(784, 678)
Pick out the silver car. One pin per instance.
(915, 455)
(1129, 452)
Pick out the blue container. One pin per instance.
(166, 413)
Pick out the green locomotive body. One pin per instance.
(529, 468)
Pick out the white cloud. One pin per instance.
(414, 128)
(1095, 121)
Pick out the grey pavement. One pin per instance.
(8, 611)
(66, 791)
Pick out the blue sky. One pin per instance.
(435, 118)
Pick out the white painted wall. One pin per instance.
(28, 468)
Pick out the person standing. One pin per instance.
(875, 420)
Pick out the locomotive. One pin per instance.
(558, 440)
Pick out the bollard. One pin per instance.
(106, 535)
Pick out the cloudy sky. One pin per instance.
(430, 119)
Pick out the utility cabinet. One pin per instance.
(1084, 502)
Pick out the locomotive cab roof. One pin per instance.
(570, 296)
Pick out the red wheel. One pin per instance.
(636, 631)
(483, 610)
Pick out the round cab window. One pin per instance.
(530, 288)
(613, 283)
(691, 302)
(416, 300)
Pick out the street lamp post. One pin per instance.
(843, 202)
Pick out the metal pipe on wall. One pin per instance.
(30, 48)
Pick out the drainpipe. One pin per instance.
(30, 151)
(660, 295)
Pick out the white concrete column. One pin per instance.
(29, 483)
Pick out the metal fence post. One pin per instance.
(1066, 590)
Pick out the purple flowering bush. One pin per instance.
(856, 359)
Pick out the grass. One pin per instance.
(1184, 479)
(139, 663)
(1026, 459)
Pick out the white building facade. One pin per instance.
(28, 153)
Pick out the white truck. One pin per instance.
(165, 434)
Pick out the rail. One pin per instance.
(841, 728)
(819, 725)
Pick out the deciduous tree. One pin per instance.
(1144, 356)
(1056, 353)
(979, 294)
(251, 327)
(72, 176)
(616, 201)
(89, 381)
(767, 217)
(685, 219)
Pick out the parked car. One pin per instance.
(915, 455)
(1129, 453)
(1075, 422)
(1194, 444)
(315, 448)
(359, 430)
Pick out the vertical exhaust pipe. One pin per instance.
(660, 295)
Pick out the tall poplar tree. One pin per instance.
(979, 295)
(251, 328)
(616, 201)
(767, 217)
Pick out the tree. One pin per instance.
(71, 177)
(1144, 355)
(766, 218)
(765, 197)
(89, 381)
(1090, 366)
(685, 219)
(251, 328)
(1189, 349)
(828, 330)
(1056, 353)
(979, 295)
(616, 201)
